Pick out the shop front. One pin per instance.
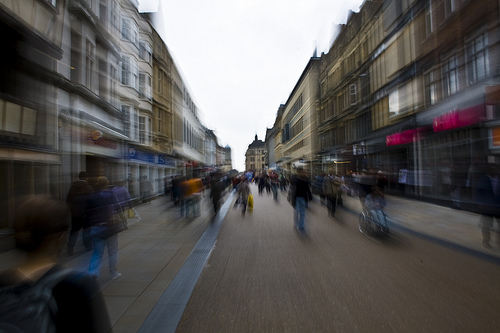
(144, 166)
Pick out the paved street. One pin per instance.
(263, 276)
(431, 275)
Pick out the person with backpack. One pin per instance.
(40, 295)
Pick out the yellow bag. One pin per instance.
(250, 201)
(131, 213)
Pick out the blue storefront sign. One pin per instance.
(143, 156)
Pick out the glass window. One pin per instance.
(430, 89)
(450, 76)
(477, 58)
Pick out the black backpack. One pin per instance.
(30, 308)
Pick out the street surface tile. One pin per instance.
(264, 276)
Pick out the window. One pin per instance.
(430, 89)
(145, 52)
(450, 76)
(16, 118)
(352, 94)
(160, 81)
(89, 63)
(142, 130)
(477, 58)
(429, 27)
(114, 16)
(449, 7)
(401, 99)
(145, 86)
(130, 72)
(129, 31)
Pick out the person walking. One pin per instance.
(101, 209)
(330, 188)
(488, 202)
(301, 195)
(196, 190)
(77, 202)
(40, 224)
(216, 192)
(146, 189)
(243, 192)
(124, 201)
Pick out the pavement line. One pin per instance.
(167, 312)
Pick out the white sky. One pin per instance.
(242, 58)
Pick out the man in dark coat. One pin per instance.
(488, 202)
(77, 202)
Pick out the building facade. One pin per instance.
(255, 156)
(90, 86)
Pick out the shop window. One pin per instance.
(17, 118)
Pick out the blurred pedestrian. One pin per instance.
(243, 192)
(330, 189)
(125, 202)
(77, 201)
(40, 225)
(184, 197)
(375, 203)
(216, 192)
(301, 195)
(196, 190)
(146, 189)
(102, 208)
(273, 177)
(488, 202)
(176, 190)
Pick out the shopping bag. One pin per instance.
(131, 213)
(250, 201)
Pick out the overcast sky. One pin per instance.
(242, 58)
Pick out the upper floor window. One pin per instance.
(450, 6)
(130, 72)
(477, 58)
(352, 94)
(430, 88)
(450, 75)
(89, 63)
(145, 52)
(429, 27)
(129, 31)
(145, 86)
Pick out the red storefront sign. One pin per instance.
(459, 118)
(407, 136)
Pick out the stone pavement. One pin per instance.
(450, 227)
(154, 250)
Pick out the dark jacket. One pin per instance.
(81, 306)
(487, 201)
(101, 205)
(301, 189)
(77, 197)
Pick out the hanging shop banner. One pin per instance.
(459, 118)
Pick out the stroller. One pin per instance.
(372, 219)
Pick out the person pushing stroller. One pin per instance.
(375, 204)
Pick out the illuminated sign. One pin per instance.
(459, 118)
